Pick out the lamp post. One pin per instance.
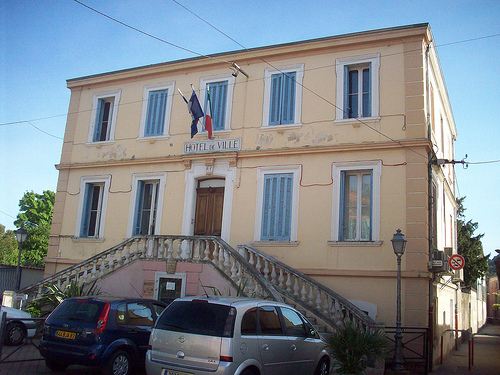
(21, 235)
(398, 244)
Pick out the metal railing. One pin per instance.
(27, 341)
(416, 354)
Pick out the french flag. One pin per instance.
(208, 115)
(195, 111)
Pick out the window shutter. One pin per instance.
(275, 100)
(84, 230)
(277, 207)
(155, 117)
(288, 103)
(367, 93)
(346, 92)
(138, 208)
(285, 208)
(342, 206)
(98, 119)
(218, 97)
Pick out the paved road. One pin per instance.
(26, 360)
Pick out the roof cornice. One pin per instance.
(257, 53)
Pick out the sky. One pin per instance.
(44, 43)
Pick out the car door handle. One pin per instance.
(294, 348)
(265, 347)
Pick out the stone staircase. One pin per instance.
(259, 275)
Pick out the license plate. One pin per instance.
(170, 372)
(66, 335)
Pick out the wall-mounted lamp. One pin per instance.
(236, 70)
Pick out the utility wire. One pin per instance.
(43, 131)
(245, 48)
(147, 34)
(303, 86)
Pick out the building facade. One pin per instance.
(320, 151)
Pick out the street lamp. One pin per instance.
(398, 244)
(21, 235)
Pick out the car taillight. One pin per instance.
(103, 319)
(225, 358)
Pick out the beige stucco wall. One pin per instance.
(398, 141)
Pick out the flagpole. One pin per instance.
(183, 97)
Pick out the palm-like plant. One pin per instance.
(54, 295)
(352, 347)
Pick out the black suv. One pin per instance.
(106, 332)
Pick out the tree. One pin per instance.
(470, 247)
(36, 217)
(8, 246)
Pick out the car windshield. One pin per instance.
(78, 310)
(198, 317)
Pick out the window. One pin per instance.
(146, 205)
(92, 207)
(357, 87)
(156, 109)
(294, 325)
(358, 92)
(283, 96)
(277, 204)
(140, 314)
(356, 205)
(221, 98)
(249, 323)
(356, 201)
(104, 113)
(269, 321)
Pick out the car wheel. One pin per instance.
(118, 364)
(248, 372)
(55, 366)
(323, 367)
(15, 334)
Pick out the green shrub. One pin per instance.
(353, 347)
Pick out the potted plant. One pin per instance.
(352, 348)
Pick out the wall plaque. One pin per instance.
(212, 145)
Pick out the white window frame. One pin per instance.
(115, 96)
(337, 169)
(231, 80)
(165, 275)
(170, 86)
(261, 172)
(373, 60)
(84, 180)
(136, 177)
(299, 71)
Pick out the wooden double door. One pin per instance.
(209, 207)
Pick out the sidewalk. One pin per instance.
(486, 359)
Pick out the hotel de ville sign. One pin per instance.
(212, 145)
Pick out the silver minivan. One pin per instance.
(234, 335)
